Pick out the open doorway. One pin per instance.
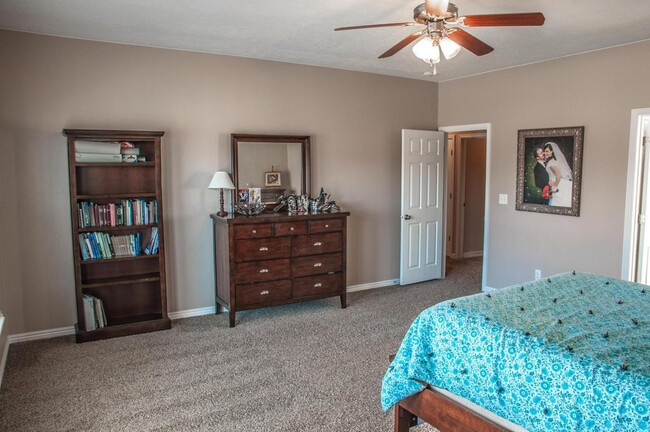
(468, 154)
(636, 239)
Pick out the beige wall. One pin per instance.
(49, 83)
(597, 90)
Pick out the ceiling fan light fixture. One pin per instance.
(450, 49)
(427, 51)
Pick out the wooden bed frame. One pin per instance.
(441, 412)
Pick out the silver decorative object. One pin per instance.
(251, 209)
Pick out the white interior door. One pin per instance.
(423, 204)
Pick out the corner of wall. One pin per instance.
(4, 347)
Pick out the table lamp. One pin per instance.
(221, 180)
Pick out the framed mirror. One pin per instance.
(271, 166)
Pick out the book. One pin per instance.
(97, 157)
(89, 313)
(129, 158)
(97, 147)
(148, 250)
(99, 312)
(85, 255)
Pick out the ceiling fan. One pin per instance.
(443, 30)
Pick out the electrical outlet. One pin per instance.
(538, 274)
(503, 198)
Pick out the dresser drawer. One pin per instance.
(290, 228)
(263, 292)
(257, 271)
(316, 244)
(253, 231)
(316, 264)
(259, 249)
(325, 225)
(315, 285)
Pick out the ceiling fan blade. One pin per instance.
(469, 42)
(436, 7)
(514, 19)
(401, 44)
(403, 24)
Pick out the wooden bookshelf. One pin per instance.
(132, 288)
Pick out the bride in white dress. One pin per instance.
(559, 174)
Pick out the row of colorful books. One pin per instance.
(102, 152)
(94, 313)
(126, 212)
(97, 245)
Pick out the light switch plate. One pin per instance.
(503, 198)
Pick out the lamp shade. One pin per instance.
(436, 7)
(221, 180)
(427, 51)
(449, 48)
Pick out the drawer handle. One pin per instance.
(264, 270)
(318, 244)
(291, 229)
(318, 285)
(318, 264)
(254, 231)
(327, 226)
(265, 292)
(263, 249)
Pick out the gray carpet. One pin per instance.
(302, 367)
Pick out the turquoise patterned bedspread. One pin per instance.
(568, 353)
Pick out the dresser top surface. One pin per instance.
(237, 219)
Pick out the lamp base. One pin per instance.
(221, 212)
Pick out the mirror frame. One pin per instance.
(303, 140)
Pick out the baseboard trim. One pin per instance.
(5, 350)
(373, 285)
(188, 313)
(473, 254)
(41, 334)
(489, 289)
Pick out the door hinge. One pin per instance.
(641, 219)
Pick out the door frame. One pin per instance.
(630, 227)
(459, 185)
(487, 127)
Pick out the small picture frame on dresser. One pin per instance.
(272, 178)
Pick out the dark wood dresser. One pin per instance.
(273, 259)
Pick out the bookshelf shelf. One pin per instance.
(126, 326)
(116, 228)
(121, 280)
(116, 196)
(114, 164)
(116, 260)
(130, 290)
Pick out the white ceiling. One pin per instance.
(302, 31)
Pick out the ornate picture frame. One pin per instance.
(272, 178)
(549, 170)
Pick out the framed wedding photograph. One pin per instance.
(549, 170)
(272, 178)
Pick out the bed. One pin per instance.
(567, 353)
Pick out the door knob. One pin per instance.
(407, 217)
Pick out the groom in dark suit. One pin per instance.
(541, 175)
